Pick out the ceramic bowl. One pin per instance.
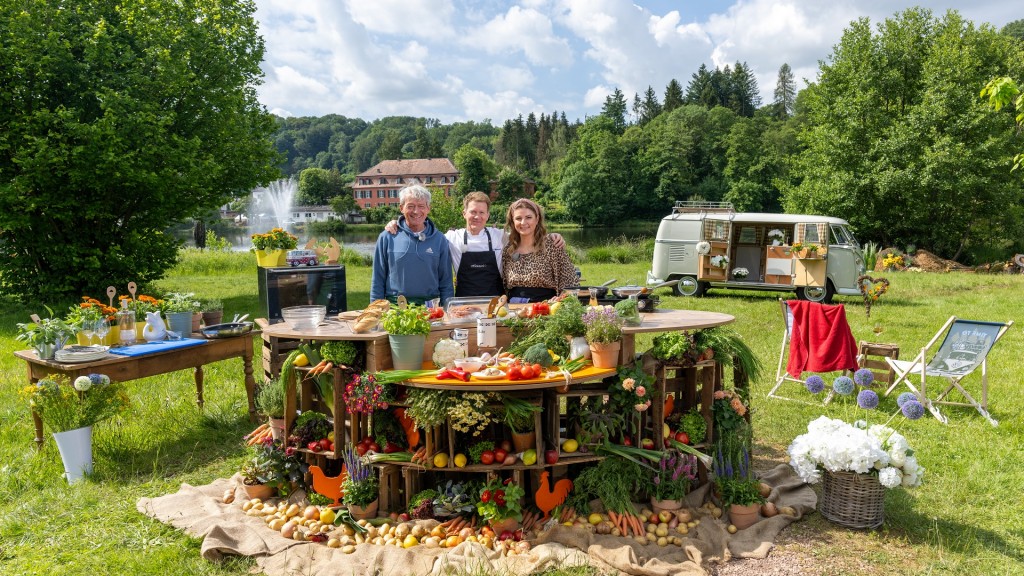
(471, 364)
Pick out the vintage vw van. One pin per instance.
(708, 245)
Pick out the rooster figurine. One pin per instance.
(547, 499)
(327, 485)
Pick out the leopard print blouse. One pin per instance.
(548, 269)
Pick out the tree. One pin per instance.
(391, 146)
(445, 210)
(785, 93)
(650, 108)
(475, 170)
(899, 144)
(317, 186)
(117, 119)
(743, 94)
(673, 96)
(614, 109)
(1014, 29)
(1003, 91)
(510, 185)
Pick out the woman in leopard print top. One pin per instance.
(533, 269)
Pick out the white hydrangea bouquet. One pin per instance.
(720, 261)
(838, 446)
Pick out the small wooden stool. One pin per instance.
(872, 357)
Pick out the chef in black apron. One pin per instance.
(478, 273)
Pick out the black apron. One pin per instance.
(478, 273)
(530, 294)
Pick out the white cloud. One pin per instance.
(421, 18)
(525, 30)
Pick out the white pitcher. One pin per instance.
(155, 329)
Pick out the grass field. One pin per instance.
(965, 519)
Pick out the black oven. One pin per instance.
(301, 285)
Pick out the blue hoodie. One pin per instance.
(416, 264)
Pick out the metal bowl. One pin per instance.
(227, 330)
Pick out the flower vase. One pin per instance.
(605, 354)
(261, 491)
(212, 317)
(197, 322)
(364, 512)
(270, 258)
(75, 448)
(744, 515)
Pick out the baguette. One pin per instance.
(365, 323)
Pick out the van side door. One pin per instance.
(845, 261)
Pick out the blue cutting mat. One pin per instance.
(144, 348)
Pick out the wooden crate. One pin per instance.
(275, 350)
(873, 355)
(391, 488)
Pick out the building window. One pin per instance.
(393, 194)
(400, 180)
(430, 179)
(383, 181)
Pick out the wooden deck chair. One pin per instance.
(965, 347)
(781, 374)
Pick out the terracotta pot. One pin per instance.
(666, 505)
(499, 526)
(744, 515)
(213, 317)
(261, 491)
(277, 428)
(364, 512)
(197, 322)
(605, 355)
(523, 441)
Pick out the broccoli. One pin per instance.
(538, 354)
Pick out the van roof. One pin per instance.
(755, 217)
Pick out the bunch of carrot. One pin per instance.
(323, 367)
(261, 433)
(627, 523)
(530, 519)
(454, 525)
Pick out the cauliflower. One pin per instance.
(446, 351)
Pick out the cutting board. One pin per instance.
(144, 348)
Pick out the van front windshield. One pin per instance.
(843, 235)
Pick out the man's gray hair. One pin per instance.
(415, 192)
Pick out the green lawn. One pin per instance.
(965, 519)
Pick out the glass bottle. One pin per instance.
(126, 324)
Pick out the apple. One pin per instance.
(665, 516)
(550, 456)
(487, 457)
(500, 454)
(505, 445)
(626, 441)
(654, 518)
(647, 443)
(682, 437)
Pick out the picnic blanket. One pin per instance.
(225, 529)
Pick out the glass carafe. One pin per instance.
(126, 324)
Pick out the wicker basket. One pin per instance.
(853, 500)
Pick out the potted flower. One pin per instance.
(604, 334)
(270, 401)
(364, 393)
(87, 316)
(407, 330)
(212, 310)
(256, 472)
(179, 308)
(740, 273)
(777, 237)
(361, 486)
(47, 335)
(736, 485)
(720, 261)
(518, 415)
(857, 462)
(278, 466)
(671, 479)
(272, 247)
(70, 410)
(500, 505)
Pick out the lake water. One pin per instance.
(363, 241)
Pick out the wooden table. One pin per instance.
(125, 368)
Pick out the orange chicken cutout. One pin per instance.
(546, 498)
(329, 486)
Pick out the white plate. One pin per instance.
(485, 376)
(74, 354)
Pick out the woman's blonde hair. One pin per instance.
(539, 232)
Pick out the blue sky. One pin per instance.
(460, 60)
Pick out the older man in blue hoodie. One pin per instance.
(415, 262)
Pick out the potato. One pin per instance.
(288, 529)
(348, 549)
(764, 489)
(333, 543)
(663, 541)
(229, 495)
(311, 513)
(419, 531)
(787, 510)
(768, 509)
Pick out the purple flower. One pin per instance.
(912, 409)
(863, 377)
(815, 384)
(867, 399)
(904, 398)
(843, 385)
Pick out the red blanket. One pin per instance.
(821, 340)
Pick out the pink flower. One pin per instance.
(719, 394)
(628, 384)
(643, 406)
(641, 391)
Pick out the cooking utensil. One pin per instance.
(227, 330)
(609, 283)
(631, 290)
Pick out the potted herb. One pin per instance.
(47, 335)
(256, 472)
(671, 479)
(361, 486)
(518, 415)
(212, 310)
(180, 307)
(407, 330)
(270, 400)
(604, 333)
(736, 484)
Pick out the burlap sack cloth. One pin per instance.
(225, 529)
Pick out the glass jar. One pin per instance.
(126, 324)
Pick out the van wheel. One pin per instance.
(689, 286)
(819, 295)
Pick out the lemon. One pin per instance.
(529, 457)
(460, 460)
(327, 516)
(301, 360)
(440, 460)
(502, 312)
(595, 519)
(570, 445)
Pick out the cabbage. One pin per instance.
(446, 351)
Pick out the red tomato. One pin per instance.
(362, 449)
(682, 438)
(527, 372)
(487, 457)
(373, 447)
(537, 369)
(514, 373)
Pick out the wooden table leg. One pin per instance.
(38, 423)
(199, 386)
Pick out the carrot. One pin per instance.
(614, 518)
(449, 521)
(258, 429)
(639, 525)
